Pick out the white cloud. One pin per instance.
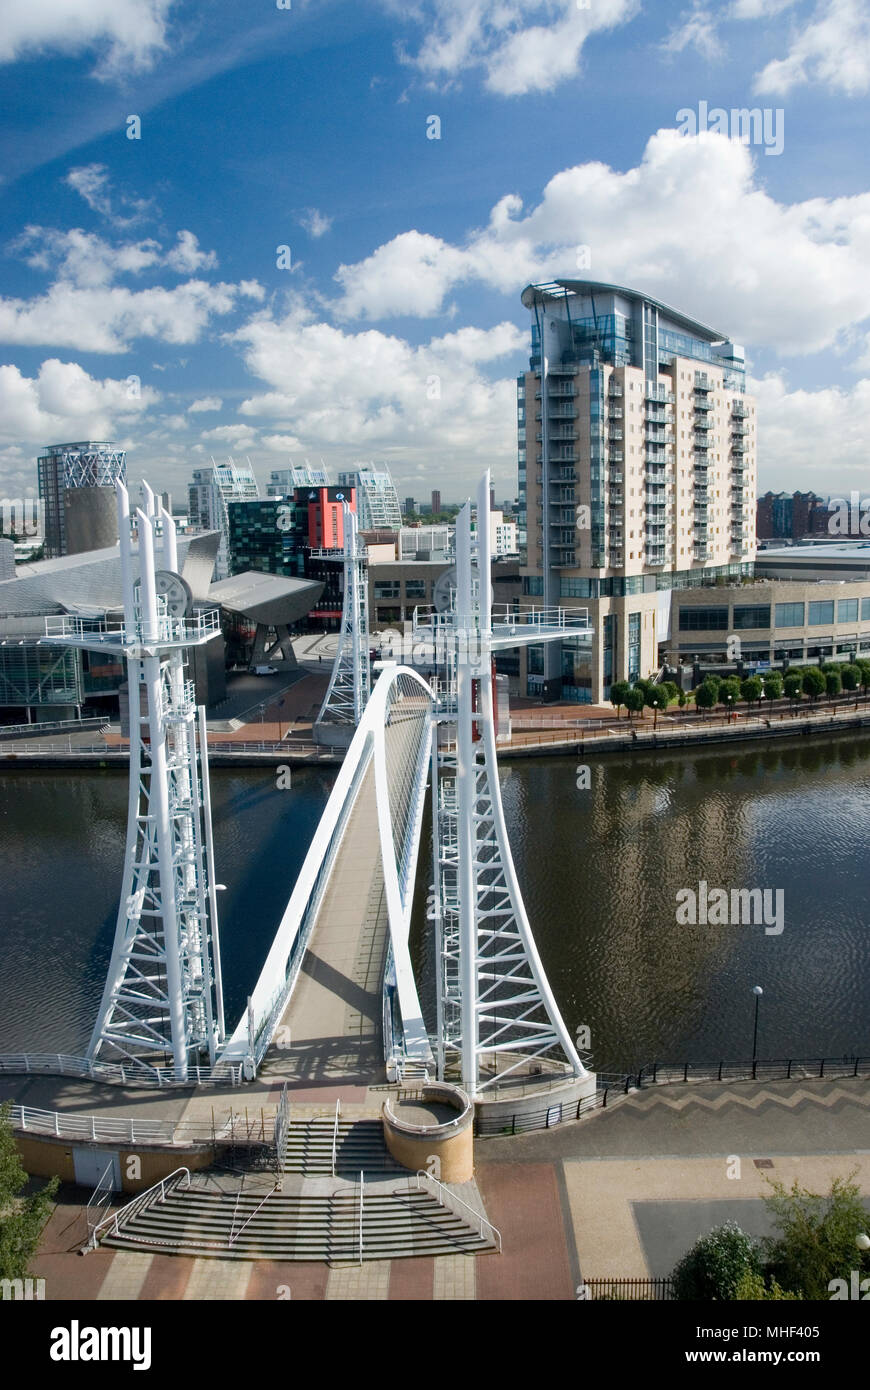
(239, 436)
(812, 439)
(92, 182)
(87, 260)
(187, 258)
(205, 403)
(759, 9)
(130, 33)
(833, 50)
(691, 224)
(109, 319)
(696, 28)
(522, 45)
(315, 223)
(433, 404)
(64, 402)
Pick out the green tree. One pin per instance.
(21, 1218)
(817, 1237)
(794, 685)
(683, 699)
(813, 683)
(752, 1288)
(716, 1263)
(643, 685)
(633, 701)
(671, 690)
(864, 668)
(751, 689)
(850, 675)
(833, 684)
(618, 692)
(773, 685)
(729, 692)
(706, 696)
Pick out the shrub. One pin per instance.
(716, 1263)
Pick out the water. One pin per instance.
(600, 870)
(62, 841)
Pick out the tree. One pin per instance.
(794, 685)
(729, 692)
(633, 701)
(682, 699)
(21, 1218)
(643, 685)
(706, 695)
(751, 689)
(864, 668)
(753, 1289)
(833, 684)
(850, 675)
(671, 691)
(813, 683)
(715, 1265)
(817, 1237)
(773, 685)
(618, 692)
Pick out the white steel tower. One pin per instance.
(350, 682)
(162, 1004)
(496, 1011)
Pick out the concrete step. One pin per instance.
(298, 1227)
(359, 1147)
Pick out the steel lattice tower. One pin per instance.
(350, 682)
(496, 1010)
(162, 1003)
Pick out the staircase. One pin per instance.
(359, 1148)
(204, 1220)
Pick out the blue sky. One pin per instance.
(140, 296)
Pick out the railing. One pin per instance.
(138, 1204)
(335, 1133)
(361, 1186)
(101, 1195)
(636, 1290)
(102, 1129)
(446, 1198)
(51, 726)
(115, 1073)
(234, 1234)
(110, 633)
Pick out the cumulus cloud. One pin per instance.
(812, 439)
(521, 45)
(130, 33)
(435, 404)
(832, 50)
(691, 224)
(696, 28)
(64, 402)
(110, 318)
(205, 403)
(88, 260)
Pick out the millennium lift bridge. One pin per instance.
(494, 1025)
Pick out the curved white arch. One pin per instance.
(274, 987)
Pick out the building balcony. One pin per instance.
(703, 382)
(616, 456)
(701, 552)
(659, 393)
(615, 436)
(739, 410)
(561, 412)
(654, 558)
(702, 403)
(563, 369)
(614, 389)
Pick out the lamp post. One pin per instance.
(655, 715)
(862, 1240)
(729, 698)
(757, 991)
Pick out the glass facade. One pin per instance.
(633, 646)
(703, 619)
(821, 612)
(751, 616)
(789, 615)
(847, 610)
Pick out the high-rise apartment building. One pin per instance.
(637, 470)
(77, 495)
(210, 492)
(283, 481)
(377, 501)
(436, 502)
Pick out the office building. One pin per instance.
(76, 485)
(409, 508)
(377, 502)
(637, 466)
(210, 493)
(436, 503)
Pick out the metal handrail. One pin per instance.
(137, 1205)
(115, 1073)
(234, 1234)
(335, 1133)
(361, 1186)
(495, 1234)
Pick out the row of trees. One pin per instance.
(21, 1217)
(820, 1239)
(812, 681)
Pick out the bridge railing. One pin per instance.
(115, 1073)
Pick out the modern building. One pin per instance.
(283, 481)
(791, 516)
(210, 493)
(377, 501)
(436, 502)
(408, 509)
(7, 559)
(425, 543)
(637, 466)
(503, 535)
(76, 484)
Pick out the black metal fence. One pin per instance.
(610, 1085)
(643, 1290)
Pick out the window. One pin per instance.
(865, 608)
(789, 615)
(821, 612)
(533, 585)
(703, 619)
(847, 610)
(755, 615)
(633, 646)
(415, 588)
(387, 588)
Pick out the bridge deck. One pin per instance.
(334, 1015)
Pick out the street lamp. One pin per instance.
(862, 1240)
(729, 698)
(757, 991)
(655, 715)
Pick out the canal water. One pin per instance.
(601, 866)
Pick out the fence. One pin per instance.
(610, 1085)
(237, 1128)
(642, 1290)
(114, 1073)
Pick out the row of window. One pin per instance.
(391, 588)
(816, 613)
